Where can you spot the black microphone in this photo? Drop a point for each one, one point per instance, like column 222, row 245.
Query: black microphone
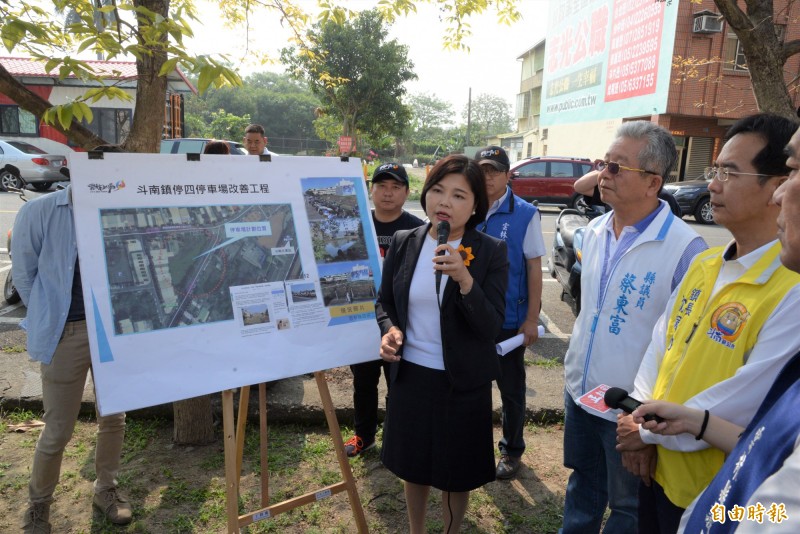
column 442, row 233
column 619, row 399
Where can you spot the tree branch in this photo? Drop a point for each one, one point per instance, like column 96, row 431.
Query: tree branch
column 789, row 49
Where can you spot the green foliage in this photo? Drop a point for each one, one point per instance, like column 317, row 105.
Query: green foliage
column 328, row 127
column 227, row 125
column 356, row 73
column 17, row 416
column 430, row 112
column 282, row 105
column 490, row 115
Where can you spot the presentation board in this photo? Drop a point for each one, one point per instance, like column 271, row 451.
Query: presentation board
column 210, row 274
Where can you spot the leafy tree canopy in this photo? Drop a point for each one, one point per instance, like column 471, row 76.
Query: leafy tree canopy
column 356, row 73
column 430, row 111
column 285, row 107
column 490, row 115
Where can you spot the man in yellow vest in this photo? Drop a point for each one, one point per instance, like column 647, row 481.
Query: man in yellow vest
column 727, row 330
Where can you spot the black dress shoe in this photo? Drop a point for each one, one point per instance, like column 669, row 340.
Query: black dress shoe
column 507, row 467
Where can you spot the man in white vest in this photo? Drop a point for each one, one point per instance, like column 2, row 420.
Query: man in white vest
column 633, row 258
column 728, row 329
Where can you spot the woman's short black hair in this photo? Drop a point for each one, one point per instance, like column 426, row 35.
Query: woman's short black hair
column 469, row 169
column 216, row 147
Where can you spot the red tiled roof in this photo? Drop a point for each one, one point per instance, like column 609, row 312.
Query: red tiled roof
column 23, row 66
column 115, row 70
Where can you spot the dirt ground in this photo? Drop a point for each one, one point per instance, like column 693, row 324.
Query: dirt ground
column 182, row 489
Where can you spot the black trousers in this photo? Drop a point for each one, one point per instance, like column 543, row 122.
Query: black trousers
column 657, row 514
column 365, row 396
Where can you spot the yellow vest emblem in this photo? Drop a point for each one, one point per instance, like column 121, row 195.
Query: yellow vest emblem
column 729, row 320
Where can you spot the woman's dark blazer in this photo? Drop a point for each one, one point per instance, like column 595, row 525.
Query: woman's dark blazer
column 470, row 323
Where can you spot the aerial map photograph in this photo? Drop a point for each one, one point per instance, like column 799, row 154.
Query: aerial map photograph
column 173, row 266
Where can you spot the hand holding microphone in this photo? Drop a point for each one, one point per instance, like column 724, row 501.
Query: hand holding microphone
column 442, row 233
column 619, row 399
column 449, row 261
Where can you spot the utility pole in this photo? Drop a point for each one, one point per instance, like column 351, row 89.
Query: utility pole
column 469, row 116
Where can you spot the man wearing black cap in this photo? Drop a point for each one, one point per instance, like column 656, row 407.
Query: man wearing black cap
column 519, row 224
column 389, row 193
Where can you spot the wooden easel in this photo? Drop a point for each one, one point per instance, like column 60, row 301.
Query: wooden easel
column 234, row 448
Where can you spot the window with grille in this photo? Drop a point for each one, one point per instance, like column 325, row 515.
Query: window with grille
column 112, row 124
column 734, row 51
column 16, row 121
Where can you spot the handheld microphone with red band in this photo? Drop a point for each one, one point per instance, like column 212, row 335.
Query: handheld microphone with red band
column 442, row 233
column 618, row 399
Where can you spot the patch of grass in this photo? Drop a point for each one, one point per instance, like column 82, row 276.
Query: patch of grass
column 77, row 448
column 286, row 443
column 13, row 349
column 139, row 433
column 547, row 516
column 28, row 443
column 15, row 417
column 316, row 446
column 181, row 523
column 179, row 492
column 13, row 482
column 544, row 363
column 214, row 461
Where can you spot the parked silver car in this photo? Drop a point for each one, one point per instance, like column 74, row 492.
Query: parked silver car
column 22, row 163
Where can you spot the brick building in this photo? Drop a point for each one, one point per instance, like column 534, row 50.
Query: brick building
column 697, row 107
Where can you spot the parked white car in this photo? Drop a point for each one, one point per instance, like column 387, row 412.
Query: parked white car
column 22, row 163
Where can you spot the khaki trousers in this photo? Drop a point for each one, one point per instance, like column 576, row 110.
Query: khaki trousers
column 63, row 381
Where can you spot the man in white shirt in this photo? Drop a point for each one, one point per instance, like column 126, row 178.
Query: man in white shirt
column 727, row 330
column 633, row 257
column 255, row 140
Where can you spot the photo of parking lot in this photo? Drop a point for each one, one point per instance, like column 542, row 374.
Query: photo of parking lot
column 336, row 230
column 345, row 283
column 173, row 266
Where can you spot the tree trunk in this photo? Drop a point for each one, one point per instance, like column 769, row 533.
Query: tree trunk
column 30, row 101
column 193, row 423
column 151, row 89
column 763, row 51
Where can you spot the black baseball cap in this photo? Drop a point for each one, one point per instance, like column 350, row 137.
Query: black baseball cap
column 393, row 171
column 494, row 156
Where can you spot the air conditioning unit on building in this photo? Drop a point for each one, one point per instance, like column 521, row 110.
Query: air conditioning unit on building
column 707, row 24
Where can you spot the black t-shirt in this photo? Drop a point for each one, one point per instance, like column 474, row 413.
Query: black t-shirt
column 386, row 231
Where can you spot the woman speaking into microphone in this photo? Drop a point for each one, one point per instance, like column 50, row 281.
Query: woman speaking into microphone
column 439, row 338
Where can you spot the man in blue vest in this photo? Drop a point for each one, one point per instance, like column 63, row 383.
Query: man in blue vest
column 519, row 224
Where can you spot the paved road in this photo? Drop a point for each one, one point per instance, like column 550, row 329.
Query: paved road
column 557, row 316
column 297, row 398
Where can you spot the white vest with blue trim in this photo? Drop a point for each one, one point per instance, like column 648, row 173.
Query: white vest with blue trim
column 613, row 330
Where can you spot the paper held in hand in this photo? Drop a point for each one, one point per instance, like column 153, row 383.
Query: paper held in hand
column 512, row 343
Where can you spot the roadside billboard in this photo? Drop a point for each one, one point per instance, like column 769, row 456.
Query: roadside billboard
column 607, row 59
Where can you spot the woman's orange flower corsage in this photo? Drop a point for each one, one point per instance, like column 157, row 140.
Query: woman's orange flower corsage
column 466, row 254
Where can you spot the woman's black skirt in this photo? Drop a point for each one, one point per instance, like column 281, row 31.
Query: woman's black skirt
column 435, row 436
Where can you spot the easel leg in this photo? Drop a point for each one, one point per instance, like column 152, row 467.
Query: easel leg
column 262, row 419
column 231, row 474
column 241, row 424
column 338, row 445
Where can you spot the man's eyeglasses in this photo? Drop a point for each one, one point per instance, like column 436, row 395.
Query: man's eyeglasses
column 614, row 167
column 723, row 174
